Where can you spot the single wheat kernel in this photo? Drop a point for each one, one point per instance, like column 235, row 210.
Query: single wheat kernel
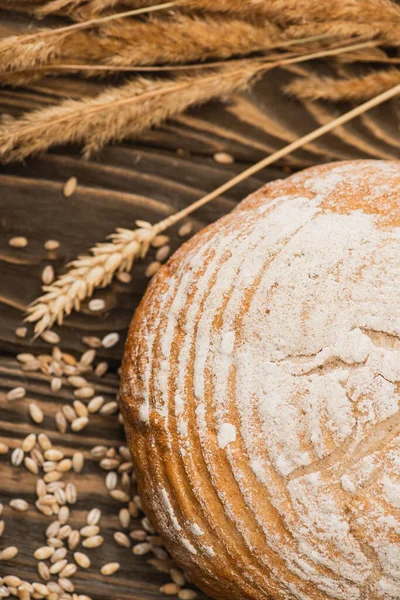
column 66, row 585
column 96, row 305
column 84, row 393
column 2, row 527
column 55, row 542
column 82, row 560
column 63, row 515
column 51, row 245
column 43, row 571
column 101, row 369
column 53, row 454
column 91, row 341
column 123, row 277
column 124, row 518
column 163, row 253
column 60, row 422
column 12, row 580
column 69, row 570
column 56, row 384
column 70, row 186
column 78, row 461
column 40, row 588
column 93, row 542
column 58, row 566
column 21, row 332
column 122, row 539
column 71, row 494
column 80, row 408
column 53, row 529
column 9, row 553
column 170, row 589
column 88, row 357
column 185, row 229
column 187, row 594
column 160, row 240
column 111, row 480
column 48, row 466
column 59, row 495
column 35, row 413
column 16, row 394
column 110, row 340
column 95, row 404
column 109, row 408
column 3, row 448
column 177, row 577
column 73, row 539
column 110, row 568
column 77, row 381
column 119, row 495
column 29, row 442
column 109, row 464
column 59, row 554
column 65, row 531
column 51, row 337
column 44, row 441
column 25, row 357
column 142, row 548
column 31, row 465
column 40, row 488
column 47, row 275
column 79, row 424
column 18, row 242
column 37, row 456
column 69, row 413
column 93, row 516
column 19, row 504
column 52, row 476
column 152, row 268
column 89, row 530
column 64, row 465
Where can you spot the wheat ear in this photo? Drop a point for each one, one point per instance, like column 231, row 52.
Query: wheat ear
column 97, row 270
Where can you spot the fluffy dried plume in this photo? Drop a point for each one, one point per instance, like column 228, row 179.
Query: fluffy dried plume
column 351, row 88
column 86, row 273
column 117, row 112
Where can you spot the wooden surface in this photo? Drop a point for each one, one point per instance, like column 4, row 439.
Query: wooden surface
column 144, row 179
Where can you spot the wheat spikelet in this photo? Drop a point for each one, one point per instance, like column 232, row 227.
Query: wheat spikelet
column 180, row 39
column 117, row 112
column 352, row 88
column 86, row 273
column 286, row 12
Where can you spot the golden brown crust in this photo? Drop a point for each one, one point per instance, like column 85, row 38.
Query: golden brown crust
column 260, row 392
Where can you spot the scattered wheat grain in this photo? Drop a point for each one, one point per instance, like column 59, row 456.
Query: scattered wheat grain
column 18, row 242
column 16, row 394
column 110, row 568
column 35, row 413
column 93, row 542
column 70, row 187
column 185, row 229
column 96, row 305
column 48, row 275
column 82, row 560
column 51, row 337
column 9, row 553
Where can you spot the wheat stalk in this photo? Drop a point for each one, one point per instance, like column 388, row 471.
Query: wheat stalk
column 350, row 88
column 130, row 109
column 88, row 272
column 97, row 270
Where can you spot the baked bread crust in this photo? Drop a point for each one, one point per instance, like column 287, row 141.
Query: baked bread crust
column 260, row 392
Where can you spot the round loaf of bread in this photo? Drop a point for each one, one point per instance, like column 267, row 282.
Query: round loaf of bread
column 261, row 388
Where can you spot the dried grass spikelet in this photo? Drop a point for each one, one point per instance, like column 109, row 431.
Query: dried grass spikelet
column 286, row 12
column 180, row 39
column 117, row 112
column 183, row 39
column 86, row 273
column 351, row 88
